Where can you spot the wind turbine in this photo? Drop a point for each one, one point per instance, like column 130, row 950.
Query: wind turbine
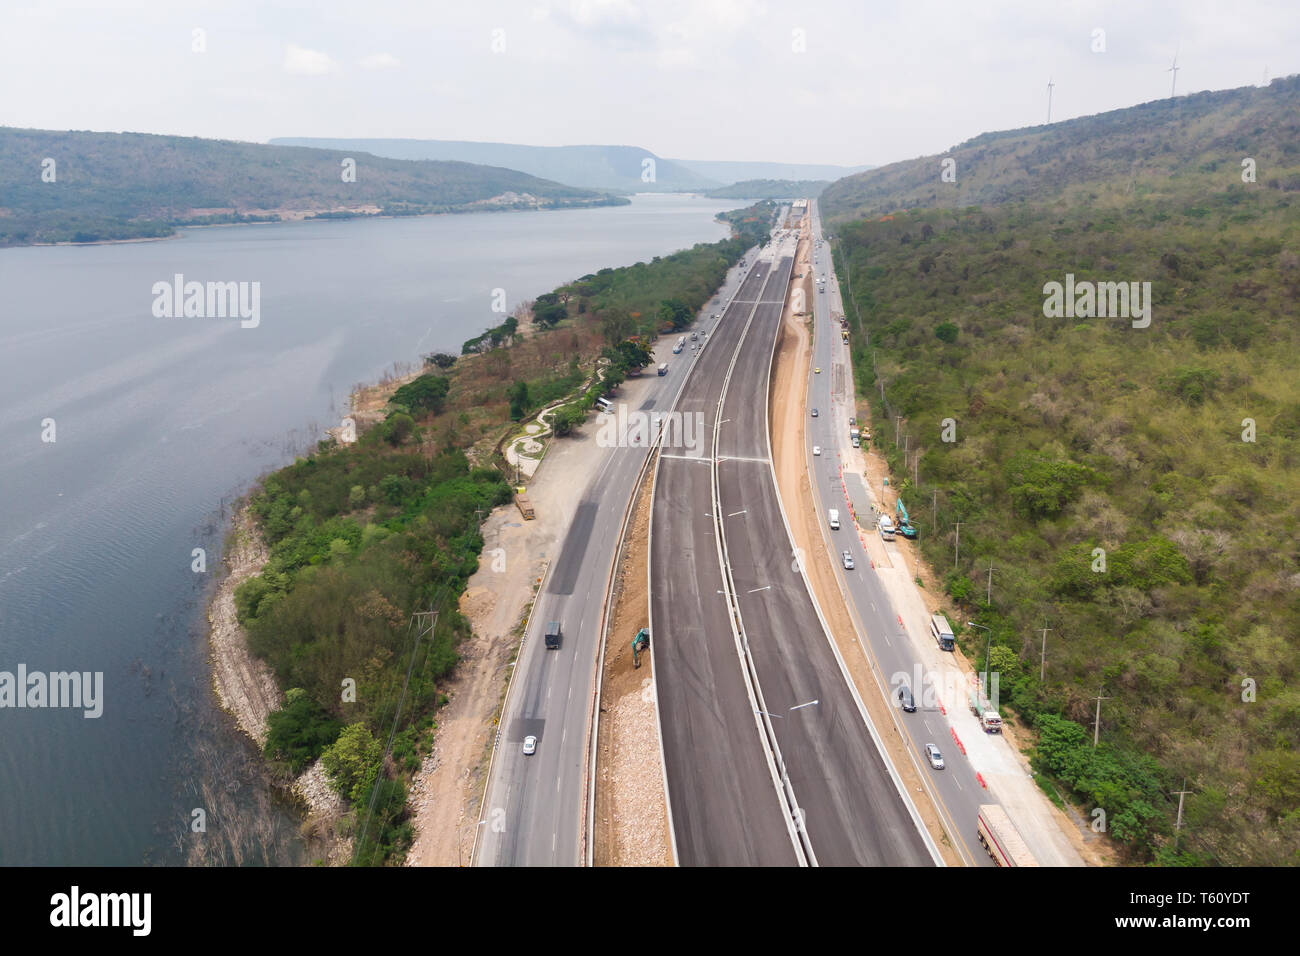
column 1050, row 84
column 1174, row 70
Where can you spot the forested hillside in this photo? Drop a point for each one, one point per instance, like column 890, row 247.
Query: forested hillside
column 1136, row 488
column 83, row 187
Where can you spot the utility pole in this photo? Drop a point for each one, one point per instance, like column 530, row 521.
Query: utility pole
column 1050, row 84
column 956, row 547
column 897, row 419
column 1042, row 669
column 989, row 597
column 934, row 510
column 1096, row 725
column 1178, row 825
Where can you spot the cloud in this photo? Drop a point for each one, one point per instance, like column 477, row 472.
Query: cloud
column 380, row 61
column 304, row 62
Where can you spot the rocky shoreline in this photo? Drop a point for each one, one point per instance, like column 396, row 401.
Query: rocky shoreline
column 247, row 690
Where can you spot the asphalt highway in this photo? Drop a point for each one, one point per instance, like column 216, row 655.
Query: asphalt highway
column 532, row 812
column 724, row 801
column 852, row 806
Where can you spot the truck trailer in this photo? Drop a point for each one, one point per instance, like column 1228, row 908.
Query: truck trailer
column 1001, row 838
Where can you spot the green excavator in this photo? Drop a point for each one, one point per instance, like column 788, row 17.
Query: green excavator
column 905, row 527
column 642, row 643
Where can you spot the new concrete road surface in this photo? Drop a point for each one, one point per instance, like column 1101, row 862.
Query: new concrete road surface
column 956, row 790
column 724, row 802
column 853, row 809
column 726, row 807
column 532, row 811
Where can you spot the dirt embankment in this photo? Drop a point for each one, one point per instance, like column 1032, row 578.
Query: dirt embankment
column 787, row 415
column 631, row 821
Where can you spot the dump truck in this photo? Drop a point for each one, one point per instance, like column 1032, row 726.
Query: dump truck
column 988, row 716
column 525, row 506
column 1001, row 838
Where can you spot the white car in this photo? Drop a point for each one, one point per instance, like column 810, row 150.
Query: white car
column 530, row 745
column 932, row 754
column 847, row 559
column 817, row 449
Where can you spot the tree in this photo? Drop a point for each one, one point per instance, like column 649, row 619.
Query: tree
column 353, row 761
column 300, row 730
column 517, row 394
column 676, row 313
column 946, row 332
column 443, row 360
column 616, row 325
column 398, row 428
column 426, row 394
column 565, row 418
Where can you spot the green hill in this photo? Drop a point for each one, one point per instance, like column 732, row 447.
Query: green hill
column 133, row 185
column 621, row 168
column 1137, row 489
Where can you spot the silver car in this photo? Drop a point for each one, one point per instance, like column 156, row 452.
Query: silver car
column 530, row 745
column 847, row 559
column 932, row 754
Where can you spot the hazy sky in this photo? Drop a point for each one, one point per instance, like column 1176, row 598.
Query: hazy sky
column 864, row 82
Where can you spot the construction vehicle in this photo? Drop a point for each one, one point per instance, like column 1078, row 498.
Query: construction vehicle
column 989, row 719
column 844, row 335
column 639, row 644
column 1001, row 838
column 905, row 527
column 525, row 506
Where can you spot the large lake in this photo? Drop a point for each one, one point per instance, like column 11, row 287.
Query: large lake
column 159, row 423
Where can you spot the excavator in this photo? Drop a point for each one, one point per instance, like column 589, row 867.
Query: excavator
column 641, row 643
column 905, row 527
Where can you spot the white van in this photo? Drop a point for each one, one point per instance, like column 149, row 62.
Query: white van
column 886, row 528
column 833, row 519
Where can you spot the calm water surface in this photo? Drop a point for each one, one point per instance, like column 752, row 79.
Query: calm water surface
column 159, row 423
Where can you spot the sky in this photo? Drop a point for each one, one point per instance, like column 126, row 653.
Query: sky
column 825, row 81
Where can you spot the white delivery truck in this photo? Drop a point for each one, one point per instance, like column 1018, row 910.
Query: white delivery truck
column 833, row 519
column 886, row 528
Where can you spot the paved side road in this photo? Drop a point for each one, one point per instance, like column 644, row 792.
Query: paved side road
column 532, row 811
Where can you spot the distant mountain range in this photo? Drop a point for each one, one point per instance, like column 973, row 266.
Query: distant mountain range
column 771, row 189
column 731, row 173
column 623, row 168
column 104, row 186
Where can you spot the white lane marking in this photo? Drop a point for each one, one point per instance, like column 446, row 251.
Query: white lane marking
column 957, row 782
column 705, row 459
column 765, row 587
column 928, row 727
column 734, row 513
